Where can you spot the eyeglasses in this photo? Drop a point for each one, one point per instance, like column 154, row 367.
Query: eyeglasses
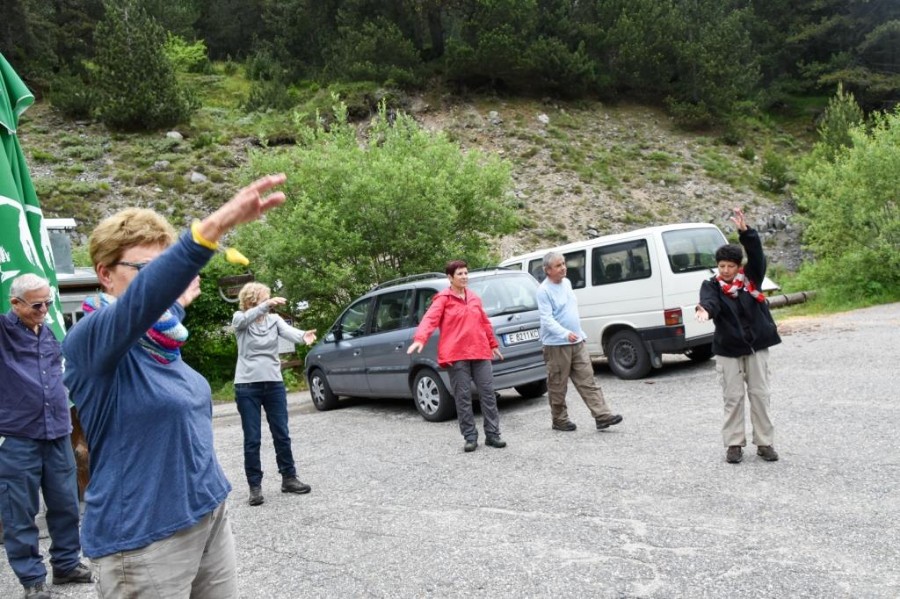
column 135, row 265
column 36, row 307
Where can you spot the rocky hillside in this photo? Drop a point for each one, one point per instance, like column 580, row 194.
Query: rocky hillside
column 579, row 170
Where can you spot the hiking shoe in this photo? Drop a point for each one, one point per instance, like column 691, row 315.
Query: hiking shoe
column 291, row 484
column 607, row 421
column 767, row 452
column 734, row 455
column 495, row 441
column 567, row 426
column 470, row 446
column 80, row 573
column 256, row 496
column 37, row 591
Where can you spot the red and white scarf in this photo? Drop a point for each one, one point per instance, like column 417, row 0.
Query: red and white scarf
column 740, row 281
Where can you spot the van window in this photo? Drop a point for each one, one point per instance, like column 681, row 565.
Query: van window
column 514, row 266
column 620, row 262
column 536, row 268
column 692, row 249
column 392, row 311
column 574, row 269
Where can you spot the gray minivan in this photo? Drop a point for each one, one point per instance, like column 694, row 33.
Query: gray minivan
column 364, row 352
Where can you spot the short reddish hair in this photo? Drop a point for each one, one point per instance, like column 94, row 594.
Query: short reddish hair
column 455, row 265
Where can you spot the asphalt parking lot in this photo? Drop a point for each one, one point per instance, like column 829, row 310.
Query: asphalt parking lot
column 648, row 508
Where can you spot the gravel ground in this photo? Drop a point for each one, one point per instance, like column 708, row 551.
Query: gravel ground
column 646, row 509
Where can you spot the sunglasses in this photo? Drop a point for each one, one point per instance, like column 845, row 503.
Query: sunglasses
column 37, row 307
column 135, row 265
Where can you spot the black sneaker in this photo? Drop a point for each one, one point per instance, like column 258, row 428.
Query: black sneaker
column 566, row 426
column 37, row 591
column 767, row 452
column 734, row 455
column 80, row 573
column 291, row 484
column 607, row 421
column 470, row 446
column 495, row 441
column 256, row 496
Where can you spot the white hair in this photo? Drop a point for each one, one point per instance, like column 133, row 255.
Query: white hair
column 25, row 283
column 550, row 258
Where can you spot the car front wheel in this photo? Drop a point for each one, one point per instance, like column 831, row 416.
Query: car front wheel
column 433, row 401
column 322, row 396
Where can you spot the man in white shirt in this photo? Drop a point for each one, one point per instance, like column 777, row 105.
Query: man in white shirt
column 565, row 352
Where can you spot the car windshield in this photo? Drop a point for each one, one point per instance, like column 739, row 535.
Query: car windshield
column 692, row 249
column 505, row 294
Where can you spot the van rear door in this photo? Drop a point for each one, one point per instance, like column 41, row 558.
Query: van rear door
column 689, row 255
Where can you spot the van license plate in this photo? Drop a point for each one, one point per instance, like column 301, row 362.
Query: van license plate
column 520, row 337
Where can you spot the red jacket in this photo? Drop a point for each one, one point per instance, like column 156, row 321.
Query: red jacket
column 466, row 332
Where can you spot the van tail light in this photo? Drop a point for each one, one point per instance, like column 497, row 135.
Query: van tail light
column 673, row 317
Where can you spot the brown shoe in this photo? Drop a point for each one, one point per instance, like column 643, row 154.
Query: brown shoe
column 734, row 455
column 767, row 452
column 607, row 421
column 567, row 426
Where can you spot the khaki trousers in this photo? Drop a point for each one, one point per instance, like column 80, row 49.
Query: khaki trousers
column 750, row 374
column 566, row 362
column 197, row 563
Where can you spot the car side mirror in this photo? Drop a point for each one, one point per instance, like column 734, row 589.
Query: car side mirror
column 336, row 333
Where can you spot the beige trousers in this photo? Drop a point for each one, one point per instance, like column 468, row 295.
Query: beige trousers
column 750, row 374
column 197, row 563
column 566, row 362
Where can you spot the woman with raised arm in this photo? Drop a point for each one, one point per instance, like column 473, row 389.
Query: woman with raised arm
column 155, row 523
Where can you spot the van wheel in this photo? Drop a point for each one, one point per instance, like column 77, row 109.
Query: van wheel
column 433, row 401
column 699, row 353
column 531, row 390
column 627, row 357
column 322, row 396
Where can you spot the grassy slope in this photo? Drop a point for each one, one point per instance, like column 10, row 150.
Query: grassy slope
column 589, row 167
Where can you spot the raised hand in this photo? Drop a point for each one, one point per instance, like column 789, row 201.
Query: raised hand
column 739, row 220
column 247, row 205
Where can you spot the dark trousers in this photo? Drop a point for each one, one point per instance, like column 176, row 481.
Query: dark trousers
column 464, row 375
column 270, row 396
column 29, row 467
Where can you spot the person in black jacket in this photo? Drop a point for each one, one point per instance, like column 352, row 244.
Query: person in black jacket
column 744, row 332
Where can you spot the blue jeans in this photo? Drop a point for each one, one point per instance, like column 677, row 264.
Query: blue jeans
column 271, row 396
column 29, row 467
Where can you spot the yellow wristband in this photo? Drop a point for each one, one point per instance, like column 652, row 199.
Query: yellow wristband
column 200, row 239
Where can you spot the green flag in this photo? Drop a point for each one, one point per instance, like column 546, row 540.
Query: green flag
column 24, row 242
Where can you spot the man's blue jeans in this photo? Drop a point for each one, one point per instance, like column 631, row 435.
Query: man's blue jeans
column 29, row 467
column 270, row 396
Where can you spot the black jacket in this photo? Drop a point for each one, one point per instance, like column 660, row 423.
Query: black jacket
column 729, row 339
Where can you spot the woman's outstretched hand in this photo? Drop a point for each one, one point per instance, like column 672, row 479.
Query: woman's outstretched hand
column 247, row 205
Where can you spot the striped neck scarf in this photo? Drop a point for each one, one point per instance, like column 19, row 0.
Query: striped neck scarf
column 740, row 281
column 163, row 342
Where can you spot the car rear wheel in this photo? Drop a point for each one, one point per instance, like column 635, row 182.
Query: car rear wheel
column 535, row 389
column 433, row 401
column 699, row 353
column 628, row 359
column 322, row 396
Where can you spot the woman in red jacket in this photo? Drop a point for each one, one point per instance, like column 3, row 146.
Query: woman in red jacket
column 466, row 347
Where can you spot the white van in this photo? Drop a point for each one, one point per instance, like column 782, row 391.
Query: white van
column 637, row 292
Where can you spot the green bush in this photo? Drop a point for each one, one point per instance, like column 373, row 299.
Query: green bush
column 377, row 51
column 72, row 95
column 185, row 57
column 775, row 173
column 270, row 94
column 852, row 217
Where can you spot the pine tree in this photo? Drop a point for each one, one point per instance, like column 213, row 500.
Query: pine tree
column 136, row 83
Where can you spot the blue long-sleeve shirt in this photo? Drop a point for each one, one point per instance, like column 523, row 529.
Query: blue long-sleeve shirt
column 148, row 425
column 558, row 309
column 33, row 400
